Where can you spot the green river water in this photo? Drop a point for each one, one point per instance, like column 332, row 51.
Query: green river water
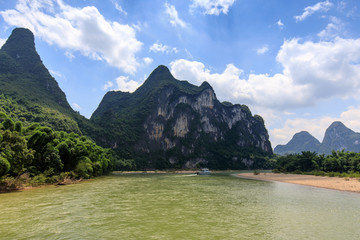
column 179, row 206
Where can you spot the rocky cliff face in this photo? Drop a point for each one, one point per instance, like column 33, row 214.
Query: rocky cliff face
column 186, row 125
column 339, row 137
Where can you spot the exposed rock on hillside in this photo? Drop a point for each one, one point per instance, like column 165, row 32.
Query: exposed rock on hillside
column 182, row 125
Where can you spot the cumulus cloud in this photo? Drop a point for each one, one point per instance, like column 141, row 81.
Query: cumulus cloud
column 78, row 29
column 159, row 47
column 108, row 85
column 311, row 72
column 326, row 69
column 126, row 85
column 123, row 84
column 212, row 7
column 319, row 7
column 174, row 16
column 276, row 91
column 264, row 49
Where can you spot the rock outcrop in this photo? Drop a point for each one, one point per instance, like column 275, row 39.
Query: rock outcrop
column 184, row 125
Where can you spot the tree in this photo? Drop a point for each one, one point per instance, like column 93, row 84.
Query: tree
column 4, row 166
column 14, row 148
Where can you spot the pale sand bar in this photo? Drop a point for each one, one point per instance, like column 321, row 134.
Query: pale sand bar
column 343, row 184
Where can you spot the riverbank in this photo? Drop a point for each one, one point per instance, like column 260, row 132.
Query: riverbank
column 336, row 183
column 14, row 185
column 155, row 172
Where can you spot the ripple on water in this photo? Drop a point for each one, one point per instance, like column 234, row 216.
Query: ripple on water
column 179, row 207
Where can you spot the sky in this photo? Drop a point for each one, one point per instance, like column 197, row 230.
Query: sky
column 294, row 62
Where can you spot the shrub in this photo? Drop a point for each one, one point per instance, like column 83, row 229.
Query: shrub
column 38, row 180
column 84, row 168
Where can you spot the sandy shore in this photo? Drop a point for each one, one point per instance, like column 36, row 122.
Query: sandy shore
column 343, row 184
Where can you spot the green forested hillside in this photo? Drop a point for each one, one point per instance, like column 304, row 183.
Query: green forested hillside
column 197, row 130
column 28, row 91
column 144, row 126
column 122, row 114
column 46, row 156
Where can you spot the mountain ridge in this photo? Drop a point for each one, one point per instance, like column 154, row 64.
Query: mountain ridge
column 165, row 123
column 176, row 113
column 337, row 137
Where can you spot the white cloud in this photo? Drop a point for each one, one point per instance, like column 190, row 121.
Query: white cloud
column 319, row 7
column 280, row 24
column 311, row 72
column 69, row 55
column 126, row 85
column 264, row 49
column 76, row 107
column 78, row 29
column 263, row 90
column 108, row 85
column 325, row 69
column 55, row 74
column 159, row 47
column 148, row 60
column 123, row 84
column 174, row 16
column 2, row 41
column 351, row 118
column 119, row 8
column 212, row 7
column 332, row 30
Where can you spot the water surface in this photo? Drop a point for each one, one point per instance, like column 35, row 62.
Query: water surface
column 179, row 206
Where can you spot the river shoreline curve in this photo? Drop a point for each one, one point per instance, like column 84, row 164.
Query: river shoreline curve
column 335, row 183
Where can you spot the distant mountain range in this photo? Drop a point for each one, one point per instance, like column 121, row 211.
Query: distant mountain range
column 337, row 137
column 165, row 123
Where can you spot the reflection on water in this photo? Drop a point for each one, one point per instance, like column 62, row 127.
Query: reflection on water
column 179, row 207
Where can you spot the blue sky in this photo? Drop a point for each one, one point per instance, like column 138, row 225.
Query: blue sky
column 294, row 62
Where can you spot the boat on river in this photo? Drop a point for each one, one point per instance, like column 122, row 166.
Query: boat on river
column 204, row 171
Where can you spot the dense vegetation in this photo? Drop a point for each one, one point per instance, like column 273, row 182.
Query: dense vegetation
column 29, row 95
column 47, row 156
column 121, row 115
column 338, row 163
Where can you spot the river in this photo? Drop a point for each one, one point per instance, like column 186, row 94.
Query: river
column 179, row 206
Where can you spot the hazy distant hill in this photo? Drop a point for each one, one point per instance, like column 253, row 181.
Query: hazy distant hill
column 302, row 141
column 337, row 137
